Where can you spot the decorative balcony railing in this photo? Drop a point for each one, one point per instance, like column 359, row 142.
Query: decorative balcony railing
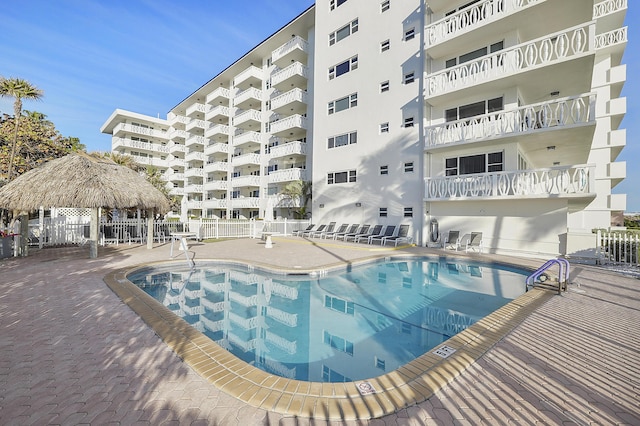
column 156, row 162
column 562, row 112
column 248, row 115
column 251, row 72
column 247, row 137
column 248, row 180
column 294, row 43
column 217, row 129
column 196, row 108
column 139, row 130
column 216, row 111
column 220, row 93
column 147, row 146
column 214, row 148
column 196, row 140
column 547, row 50
column 176, row 162
column 193, row 189
column 250, row 93
column 294, row 69
column 194, row 156
column 176, row 191
column 295, row 95
column 193, row 172
column 291, row 148
column 243, row 160
column 216, row 203
column 218, row 166
column 287, row 175
column 556, row 181
column 196, row 122
column 174, row 177
column 177, row 134
column 608, row 7
column 292, row 121
column 176, row 147
column 194, row 205
column 611, row 38
column 216, row 185
column 473, row 17
column 245, row 202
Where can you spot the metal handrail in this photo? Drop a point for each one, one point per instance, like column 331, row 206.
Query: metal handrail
column 563, row 273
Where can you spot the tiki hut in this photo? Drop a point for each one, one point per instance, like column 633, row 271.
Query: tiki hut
column 83, row 181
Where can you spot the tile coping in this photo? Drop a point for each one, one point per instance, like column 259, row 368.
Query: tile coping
column 410, row 384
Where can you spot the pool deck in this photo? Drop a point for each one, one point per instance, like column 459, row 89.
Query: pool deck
column 71, row 352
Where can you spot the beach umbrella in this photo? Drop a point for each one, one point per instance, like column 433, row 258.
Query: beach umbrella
column 83, row 181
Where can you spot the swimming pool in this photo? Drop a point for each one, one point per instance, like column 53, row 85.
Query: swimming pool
column 332, row 327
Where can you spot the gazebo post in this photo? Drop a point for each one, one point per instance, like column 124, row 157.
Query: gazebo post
column 149, row 229
column 24, row 232
column 93, row 234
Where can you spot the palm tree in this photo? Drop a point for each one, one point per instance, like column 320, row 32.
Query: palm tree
column 18, row 89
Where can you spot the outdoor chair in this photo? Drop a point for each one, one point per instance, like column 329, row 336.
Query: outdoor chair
column 364, row 230
column 352, row 229
column 388, row 232
column 403, row 236
column 320, row 228
column 375, row 231
column 299, row 232
column 341, row 229
column 474, row 242
column 452, row 240
column 318, row 233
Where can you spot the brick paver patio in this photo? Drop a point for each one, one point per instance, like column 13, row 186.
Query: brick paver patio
column 71, row 352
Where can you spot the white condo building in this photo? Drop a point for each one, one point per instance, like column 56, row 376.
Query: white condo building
column 492, row 116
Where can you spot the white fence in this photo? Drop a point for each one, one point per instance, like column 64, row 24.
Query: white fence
column 64, row 230
column 619, row 247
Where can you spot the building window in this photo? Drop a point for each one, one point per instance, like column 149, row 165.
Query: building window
column 342, row 140
column 408, row 212
column 385, row 45
column 340, row 305
column 409, row 77
column 408, row 122
column 472, row 164
column 408, row 167
column 338, row 343
column 335, row 3
column 343, row 103
column 384, row 6
column 384, row 170
column 474, row 109
column 343, row 67
column 384, row 128
column 341, row 177
column 384, row 86
column 343, row 32
column 410, row 34
column 383, row 212
column 380, row 363
column 475, row 54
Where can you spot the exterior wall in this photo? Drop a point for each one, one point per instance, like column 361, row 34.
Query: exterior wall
column 360, row 201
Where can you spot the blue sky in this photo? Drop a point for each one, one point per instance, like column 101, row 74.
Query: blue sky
column 91, row 57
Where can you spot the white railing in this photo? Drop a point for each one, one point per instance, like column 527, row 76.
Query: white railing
column 608, row 7
column 292, row 121
column 294, row 95
column 470, row 18
column 197, row 107
column 248, row 180
column 291, row 148
column 177, row 134
column 193, row 189
column 148, row 146
column 174, row 119
column 216, row 147
column 174, row 176
column 217, row 166
column 555, row 181
column 244, row 116
column 195, row 139
column 176, row 147
column 194, row 204
column 220, row 92
column 157, row 162
column 283, row 317
column 196, row 122
column 252, row 71
column 294, row 69
column 217, row 110
column 244, row 159
column 288, row 346
column 245, row 203
column 544, row 115
column 176, row 162
column 194, row 172
column 216, row 185
column 611, row 38
column 619, row 247
column 215, row 203
column 294, row 43
column 250, row 93
column 140, row 130
column 246, row 137
column 195, row 155
column 217, row 129
column 287, row 175
column 544, row 51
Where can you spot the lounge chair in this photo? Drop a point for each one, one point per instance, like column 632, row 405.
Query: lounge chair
column 388, row 232
column 320, row 228
column 364, row 230
column 474, row 242
column 299, row 232
column 403, row 236
column 452, row 240
column 341, row 229
column 350, row 230
column 318, row 232
column 375, row 231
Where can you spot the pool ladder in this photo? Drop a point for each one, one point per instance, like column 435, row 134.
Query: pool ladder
column 563, row 273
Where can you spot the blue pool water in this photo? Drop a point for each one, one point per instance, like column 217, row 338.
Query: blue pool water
column 346, row 326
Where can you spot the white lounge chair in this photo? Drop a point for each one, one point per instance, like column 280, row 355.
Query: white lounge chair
column 299, row 232
column 452, row 240
column 474, row 242
column 388, row 232
column 403, row 236
column 318, row 232
column 364, row 230
column 341, row 234
column 340, row 230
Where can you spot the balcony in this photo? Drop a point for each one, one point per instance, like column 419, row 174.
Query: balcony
column 216, row 185
column 177, row 120
column 556, row 182
column 245, row 159
column 196, row 110
column 176, row 147
column 218, row 113
column 194, row 205
column 295, row 49
column 216, row 148
column 245, row 203
column 193, row 189
column 193, row 172
column 292, row 125
column 176, row 162
column 245, row 181
column 194, row 156
column 609, row 14
column 611, row 40
column 124, row 128
column 156, row 162
column 571, row 44
column 471, row 18
column 295, row 75
column 217, row 132
column 219, row 96
column 554, row 114
column 251, row 76
column 218, row 166
column 287, row 175
column 177, row 134
column 196, row 140
column 292, row 102
column 248, row 120
column 288, row 149
column 249, row 98
column 177, row 192
column 247, row 138
column 174, row 177
column 144, row 146
column 196, row 123
column 215, row 203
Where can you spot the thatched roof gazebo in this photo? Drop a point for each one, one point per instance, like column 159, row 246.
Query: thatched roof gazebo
column 83, row 181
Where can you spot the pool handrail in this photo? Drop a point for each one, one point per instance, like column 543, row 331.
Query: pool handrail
column 563, row 273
